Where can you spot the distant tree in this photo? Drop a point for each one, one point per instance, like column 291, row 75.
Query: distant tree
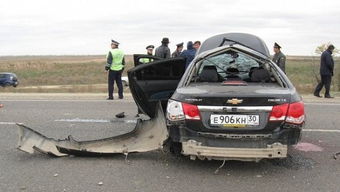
column 323, row 47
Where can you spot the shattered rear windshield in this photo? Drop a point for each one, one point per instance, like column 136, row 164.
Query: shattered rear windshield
column 232, row 65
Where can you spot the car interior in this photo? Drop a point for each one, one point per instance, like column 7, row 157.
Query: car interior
column 233, row 66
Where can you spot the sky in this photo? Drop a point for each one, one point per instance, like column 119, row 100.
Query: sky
column 86, row 27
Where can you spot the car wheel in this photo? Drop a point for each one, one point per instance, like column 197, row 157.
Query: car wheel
column 15, row 85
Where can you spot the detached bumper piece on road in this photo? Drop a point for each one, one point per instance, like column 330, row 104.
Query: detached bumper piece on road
column 148, row 135
column 195, row 150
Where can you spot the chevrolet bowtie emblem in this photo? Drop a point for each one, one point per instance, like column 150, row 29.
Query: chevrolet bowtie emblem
column 234, row 101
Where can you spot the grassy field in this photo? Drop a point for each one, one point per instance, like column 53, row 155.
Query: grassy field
column 87, row 74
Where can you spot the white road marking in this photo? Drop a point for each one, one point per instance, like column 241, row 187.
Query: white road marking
column 322, row 130
column 78, row 120
column 7, row 123
column 323, row 104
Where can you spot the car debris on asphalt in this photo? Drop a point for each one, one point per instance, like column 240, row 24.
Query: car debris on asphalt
column 120, row 115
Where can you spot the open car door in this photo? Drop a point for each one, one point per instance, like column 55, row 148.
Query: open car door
column 139, row 59
column 154, row 82
column 151, row 84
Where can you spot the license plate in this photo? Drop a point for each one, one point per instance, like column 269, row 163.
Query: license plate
column 235, row 120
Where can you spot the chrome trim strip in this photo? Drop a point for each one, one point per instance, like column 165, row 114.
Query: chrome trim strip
column 235, row 109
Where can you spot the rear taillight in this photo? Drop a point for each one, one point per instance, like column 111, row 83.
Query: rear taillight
column 191, row 111
column 177, row 111
column 291, row 113
column 296, row 113
column 174, row 111
column 279, row 112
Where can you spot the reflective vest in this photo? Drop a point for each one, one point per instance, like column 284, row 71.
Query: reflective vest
column 117, row 59
column 146, row 60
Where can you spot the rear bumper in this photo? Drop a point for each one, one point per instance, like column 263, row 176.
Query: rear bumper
column 246, row 146
column 195, row 150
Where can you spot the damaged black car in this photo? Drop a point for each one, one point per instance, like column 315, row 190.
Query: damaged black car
column 231, row 103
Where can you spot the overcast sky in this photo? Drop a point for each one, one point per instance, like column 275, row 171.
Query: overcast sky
column 44, row 27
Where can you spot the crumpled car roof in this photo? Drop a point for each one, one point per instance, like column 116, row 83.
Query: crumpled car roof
column 251, row 41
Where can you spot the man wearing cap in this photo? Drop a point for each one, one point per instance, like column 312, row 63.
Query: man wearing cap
column 326, row 72
column 149, row 51
column 178, row 50
column 115, row 66
column 279, row 58
column 163, row 51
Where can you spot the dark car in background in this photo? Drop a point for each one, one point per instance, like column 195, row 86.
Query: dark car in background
column 231, row 103
column 8, row 79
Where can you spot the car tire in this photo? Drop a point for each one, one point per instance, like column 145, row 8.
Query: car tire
column 175, row 148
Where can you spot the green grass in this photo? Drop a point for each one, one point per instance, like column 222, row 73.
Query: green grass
column 304, row 71
column 83, row 72
column 71, row 71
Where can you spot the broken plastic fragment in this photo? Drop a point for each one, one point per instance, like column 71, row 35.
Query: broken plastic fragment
column 120, row 115
column 148, row 135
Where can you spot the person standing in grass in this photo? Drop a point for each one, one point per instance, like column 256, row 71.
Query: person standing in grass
column 326, row 72
column 279, row 58
column 115, row 66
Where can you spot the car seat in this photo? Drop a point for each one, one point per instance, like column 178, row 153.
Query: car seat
column 209, row 74
column 260, row 75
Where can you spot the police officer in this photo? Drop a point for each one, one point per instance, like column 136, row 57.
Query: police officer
column 326, row 72
column 149, row 51
column 178, row 50
column 279, row 58
column 115, row 66
column 163, row 51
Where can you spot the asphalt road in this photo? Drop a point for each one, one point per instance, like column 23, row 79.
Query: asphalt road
column 311, row 167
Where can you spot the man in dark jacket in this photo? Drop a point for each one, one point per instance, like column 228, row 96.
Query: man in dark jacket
column 163, row 51
column 188, row 54
column 326, row 72
column 178, row 50
column 279, row 58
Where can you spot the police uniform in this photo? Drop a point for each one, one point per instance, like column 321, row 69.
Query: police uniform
column 177, row 53
column 279, row 58
column 115, row 66
column 147, row 60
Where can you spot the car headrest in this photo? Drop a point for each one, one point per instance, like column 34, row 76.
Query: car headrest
column 209, row 74
column 260, row 75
